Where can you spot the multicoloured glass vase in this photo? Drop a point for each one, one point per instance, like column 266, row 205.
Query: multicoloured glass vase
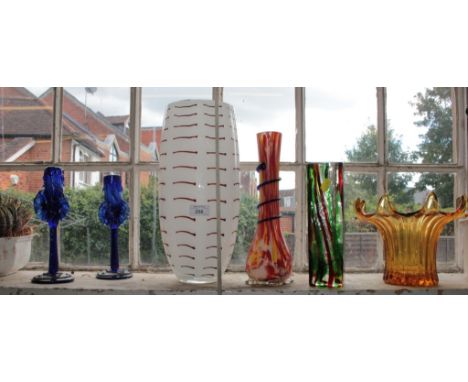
column 325, row 218
column 51, row 205
column 113, row 212
column 410, row 239
column 269, row 261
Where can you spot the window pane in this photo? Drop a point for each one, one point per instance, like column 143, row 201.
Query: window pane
column 94, row 121
column 84, row 239
column 408, row 190
column 154, row 104
column 419, row 125
column 263, row 109
column 151, row 246
column 248, row 214
column 25, row 125
column 360, row 239
column 341, row 124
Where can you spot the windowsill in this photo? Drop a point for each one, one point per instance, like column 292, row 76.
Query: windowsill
column 233, row 283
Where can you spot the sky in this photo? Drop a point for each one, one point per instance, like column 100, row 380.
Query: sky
column 335, row 116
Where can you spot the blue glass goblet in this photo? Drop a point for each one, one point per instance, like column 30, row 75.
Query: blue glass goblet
column 51, row 205
column 113, row 212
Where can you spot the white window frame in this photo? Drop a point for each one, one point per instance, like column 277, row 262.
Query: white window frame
column 134, row 167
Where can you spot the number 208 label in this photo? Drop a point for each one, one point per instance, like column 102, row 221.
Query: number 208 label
column 199, row 210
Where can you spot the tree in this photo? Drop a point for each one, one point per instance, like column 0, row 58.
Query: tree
column 434, row 106
column 364, row 186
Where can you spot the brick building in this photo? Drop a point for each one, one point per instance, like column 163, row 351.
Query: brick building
column 87, row 136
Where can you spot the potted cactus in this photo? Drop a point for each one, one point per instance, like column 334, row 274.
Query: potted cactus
column 15, row 234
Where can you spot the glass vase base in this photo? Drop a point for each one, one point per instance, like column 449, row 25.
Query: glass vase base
column 324, row 284
column 121, row 274
column 269, row 283
column 404, row 279
column 48, row 278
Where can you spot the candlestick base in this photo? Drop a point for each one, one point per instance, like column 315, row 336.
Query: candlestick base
column 48, row 278
column 119, row 275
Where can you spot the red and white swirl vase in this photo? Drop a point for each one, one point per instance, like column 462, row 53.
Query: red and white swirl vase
column 187, row 188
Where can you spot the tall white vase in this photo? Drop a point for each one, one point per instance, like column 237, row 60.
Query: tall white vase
column 187, row 188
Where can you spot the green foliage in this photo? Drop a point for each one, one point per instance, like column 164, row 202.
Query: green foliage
column 435, row 109
column 434, row 106
column 86, row 241
column 247, row 224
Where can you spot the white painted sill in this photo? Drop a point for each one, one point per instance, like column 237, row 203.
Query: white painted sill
column 233, row 284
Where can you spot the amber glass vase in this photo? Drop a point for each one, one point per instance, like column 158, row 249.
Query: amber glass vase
column 269, row 261
column 410, row 239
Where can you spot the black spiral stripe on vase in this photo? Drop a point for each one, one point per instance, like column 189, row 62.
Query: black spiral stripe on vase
column 210, row 267
column 210, row 125
column 214, row 184
column 211, row 257
column 187, row 266
column 214, row 152
column 268, row 219
column 236, row 200
column 267, row 202
column 262, row 167
column 214, row 233
column 208, row 274
column 213, row 247
column 266, row 182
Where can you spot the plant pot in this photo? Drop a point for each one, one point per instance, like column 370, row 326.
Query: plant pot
column 187, row 188
column 15, row 253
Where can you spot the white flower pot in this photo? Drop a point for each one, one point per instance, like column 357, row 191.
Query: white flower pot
column 15, row 253
column 187, row 188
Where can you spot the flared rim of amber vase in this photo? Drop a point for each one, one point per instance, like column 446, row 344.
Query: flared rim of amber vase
column 410, row 238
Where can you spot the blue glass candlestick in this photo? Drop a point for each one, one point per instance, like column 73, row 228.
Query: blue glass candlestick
column 51, row 205
column 113, row 212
